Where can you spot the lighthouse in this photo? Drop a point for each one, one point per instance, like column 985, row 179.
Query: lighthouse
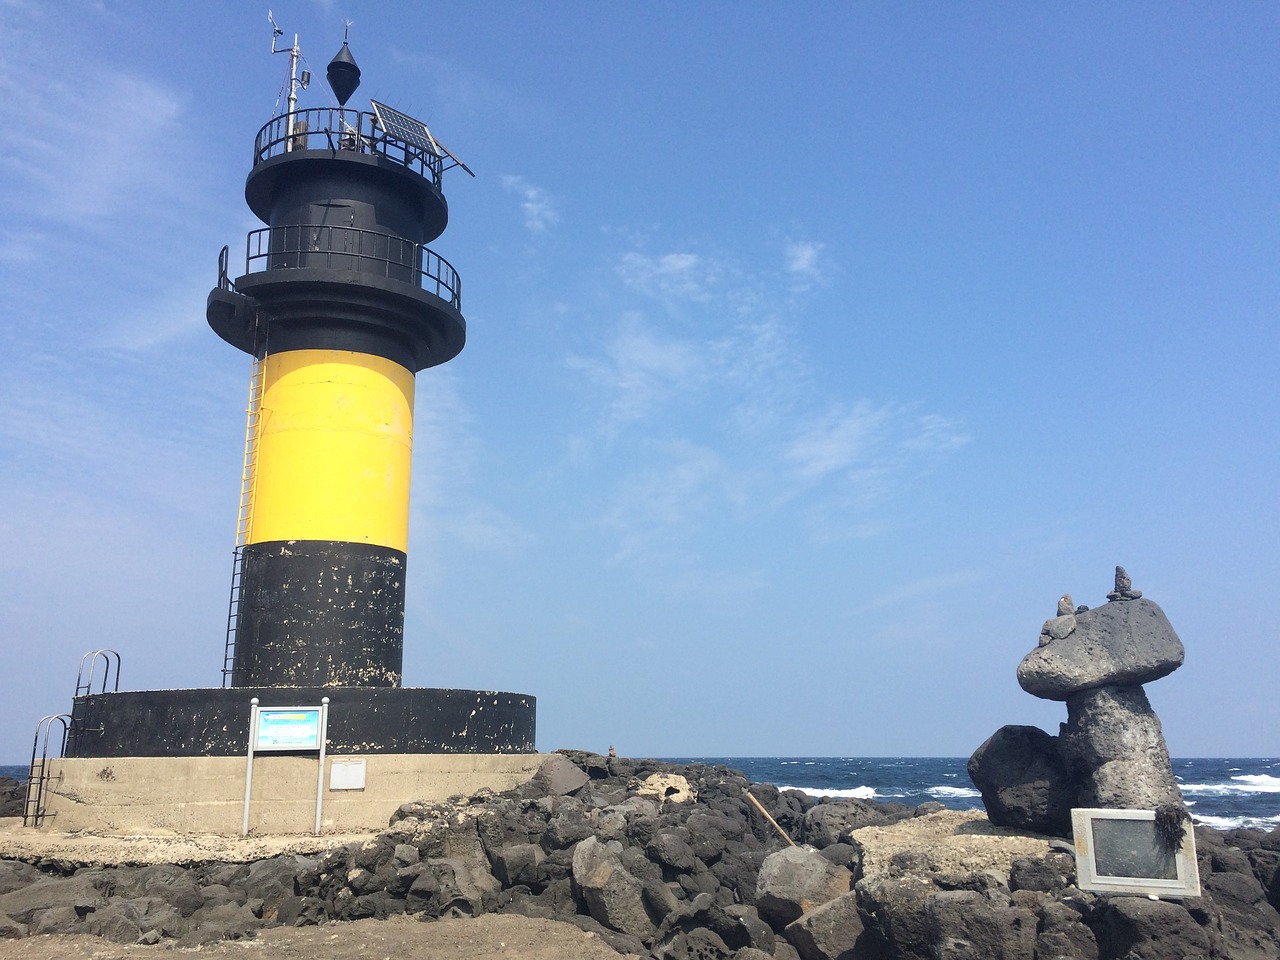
column 338, row 304
column 341, row 303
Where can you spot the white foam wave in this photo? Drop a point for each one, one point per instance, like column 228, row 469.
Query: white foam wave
column 1236, row 823
column 953, row 792
column 1246, row 783
column 853, row 793
column 1262, row 782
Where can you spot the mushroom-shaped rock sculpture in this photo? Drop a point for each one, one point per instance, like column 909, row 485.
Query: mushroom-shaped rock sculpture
column 1119, row 643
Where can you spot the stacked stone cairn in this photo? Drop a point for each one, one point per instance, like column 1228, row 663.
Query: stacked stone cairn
column 1111, row 751
column 676, row 862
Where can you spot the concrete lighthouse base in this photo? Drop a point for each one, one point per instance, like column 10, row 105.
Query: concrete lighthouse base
column 165, row 761
column 206, row 795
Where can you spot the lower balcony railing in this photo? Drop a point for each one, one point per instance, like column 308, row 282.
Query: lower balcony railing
column 349, row 248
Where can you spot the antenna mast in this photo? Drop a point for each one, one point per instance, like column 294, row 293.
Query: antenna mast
column 295, row 54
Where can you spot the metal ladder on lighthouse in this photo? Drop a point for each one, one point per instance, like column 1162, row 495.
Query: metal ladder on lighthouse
column 248, row 475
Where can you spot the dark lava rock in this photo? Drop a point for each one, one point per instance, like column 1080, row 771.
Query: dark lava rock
column 825, row 823
column 1024, row 781
column 794, row 881
column 1149, row 930
column 665, row 879
column 13, row 794
column 966, row 925
column 829, row 932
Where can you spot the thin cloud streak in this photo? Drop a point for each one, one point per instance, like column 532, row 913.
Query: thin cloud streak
column 803, row 261
column 539, row 209
column 727, row 426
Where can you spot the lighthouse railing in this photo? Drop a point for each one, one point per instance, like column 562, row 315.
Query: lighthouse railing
column 318, row 246
column 337, row 129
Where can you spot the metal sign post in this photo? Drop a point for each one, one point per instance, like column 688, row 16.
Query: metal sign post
column 286, row 729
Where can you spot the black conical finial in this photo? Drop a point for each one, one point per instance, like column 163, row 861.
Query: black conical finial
column 343, row 74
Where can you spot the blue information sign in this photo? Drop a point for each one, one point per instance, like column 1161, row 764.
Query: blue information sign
column 288, row 728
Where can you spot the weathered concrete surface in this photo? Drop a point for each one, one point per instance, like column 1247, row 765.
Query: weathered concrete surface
column 949, row 841
column 23, row 843
column 205, row 795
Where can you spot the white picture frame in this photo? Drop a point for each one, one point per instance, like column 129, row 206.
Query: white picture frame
column 1119, row 851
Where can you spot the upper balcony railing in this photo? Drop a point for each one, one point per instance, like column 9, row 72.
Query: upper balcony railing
column 349, row 248
column 339, row 129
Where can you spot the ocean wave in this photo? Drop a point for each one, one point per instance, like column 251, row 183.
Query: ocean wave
column 853, row 793
column 953, row 792
column 1247, row 783
column 1238, row 823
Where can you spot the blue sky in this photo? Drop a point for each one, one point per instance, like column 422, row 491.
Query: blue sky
column 813, row 352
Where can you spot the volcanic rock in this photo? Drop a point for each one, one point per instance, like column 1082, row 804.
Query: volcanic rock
column 559, row 776
column 1121, row 642
column 1024, row 781
column 828, row 932
column 12, row 795
column 795, row 880
column 1150, row 929
column 613, row 896
column 1114, row 747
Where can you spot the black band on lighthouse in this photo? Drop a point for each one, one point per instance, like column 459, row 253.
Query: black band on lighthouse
column 316, row 613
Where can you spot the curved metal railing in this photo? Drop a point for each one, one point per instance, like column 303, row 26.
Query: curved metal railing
column 38, row 776
column 350, row 248
column 339, row 129
column 110, row 664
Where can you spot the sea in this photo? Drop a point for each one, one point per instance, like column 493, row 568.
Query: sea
column 1220, row 793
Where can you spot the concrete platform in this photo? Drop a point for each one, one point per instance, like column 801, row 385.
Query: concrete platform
column 205, row 795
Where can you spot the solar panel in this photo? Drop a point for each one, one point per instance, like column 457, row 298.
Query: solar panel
column 405, row 128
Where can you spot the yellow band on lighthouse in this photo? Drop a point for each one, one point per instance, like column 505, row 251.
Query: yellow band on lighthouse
column 333, row 449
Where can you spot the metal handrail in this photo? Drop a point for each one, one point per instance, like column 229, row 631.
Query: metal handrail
column 84, row 685
column 362, row 251
column 224, row 260
column 33, row 812
column 337, row 129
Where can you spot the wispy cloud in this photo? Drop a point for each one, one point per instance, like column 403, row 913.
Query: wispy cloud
column 843, row 438
column 933, row 433
column 656, row 507
column 727, row 424
column 447, row 456
column 640, row 370
column 942, row 584
column 680, row 276
column 107, row 148
column 803, row 260
column 539, row 209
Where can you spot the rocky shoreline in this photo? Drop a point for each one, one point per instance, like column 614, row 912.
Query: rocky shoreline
column 677, row 862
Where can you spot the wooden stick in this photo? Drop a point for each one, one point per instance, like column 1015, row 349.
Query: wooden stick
column 782, row 833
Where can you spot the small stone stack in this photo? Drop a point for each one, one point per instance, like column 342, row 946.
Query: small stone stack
column 1111, row 751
